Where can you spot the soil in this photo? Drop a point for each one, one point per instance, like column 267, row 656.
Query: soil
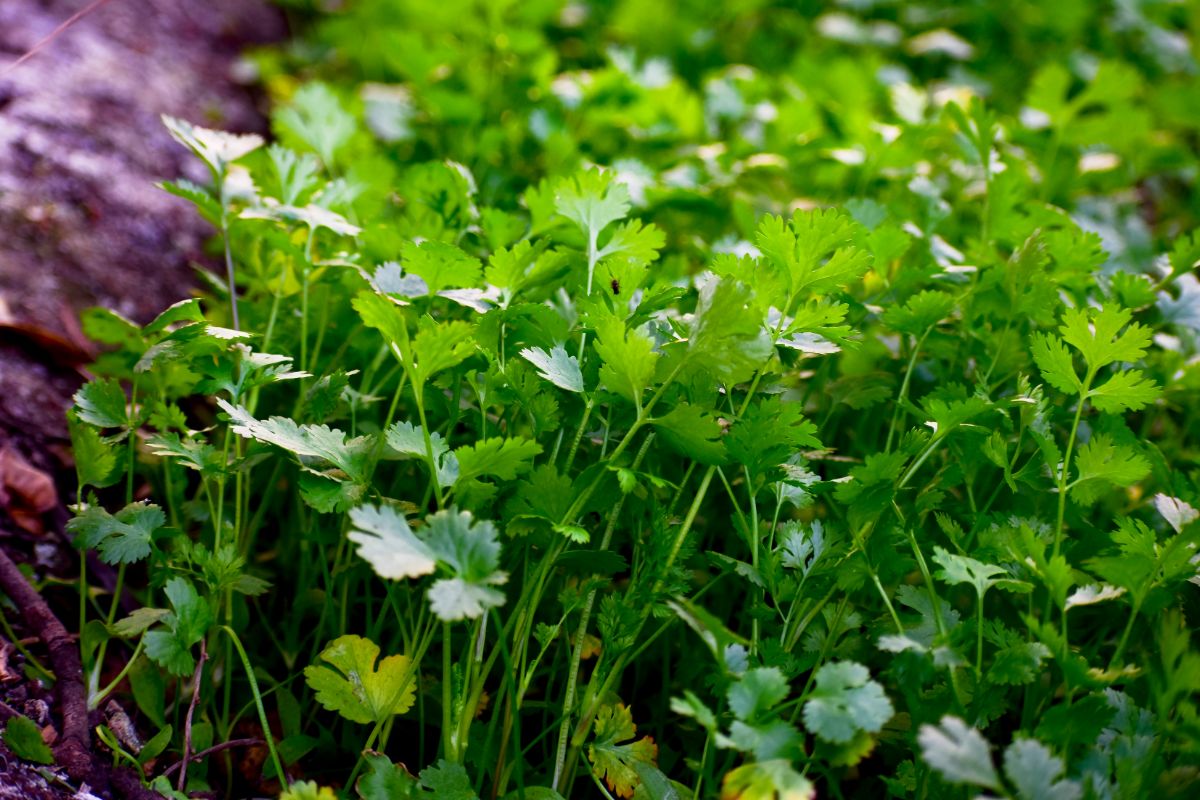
column 82, row 224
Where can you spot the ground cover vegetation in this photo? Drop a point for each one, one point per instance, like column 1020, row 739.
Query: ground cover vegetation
column 755, row 400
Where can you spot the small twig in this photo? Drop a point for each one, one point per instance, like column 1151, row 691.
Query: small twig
column 187, row 723
column 74, row 751
column 216, row 748
column 54, row 34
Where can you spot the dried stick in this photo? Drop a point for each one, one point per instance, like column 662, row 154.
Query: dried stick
column 73, row 753
column 187, row 723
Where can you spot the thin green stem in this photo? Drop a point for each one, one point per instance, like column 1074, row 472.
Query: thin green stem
column 258, row 703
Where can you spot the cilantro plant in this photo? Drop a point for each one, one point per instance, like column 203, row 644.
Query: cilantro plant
column 756, row 403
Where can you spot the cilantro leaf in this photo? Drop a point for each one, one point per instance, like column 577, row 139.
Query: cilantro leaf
column 387, row 543
column 217, row 149
column 1124, row 391
column 844, row 702
column 727, row 337
column 556, row 366
column 441, row 265
column 919, row 312
column 499, row 457
column 24, row 738
column 102, row 403
column 1054, row 360
column 383, row 780
column 350, row 683
column 1098, row 335
column 471, row 551
column 1102, row 464
column 757, row 692
column 305, row 441
column 120, row 538
column 1176, row 512
column 774, row 778
column 964, row 569
column 593, row 201
column 1037, row 774
column 95, row 459
column 448, row 781
column 614, row 762
column 768, row 434
column 629, row 359
column 316, row 119
column 959, row 753
column 186, row 624
column 693, row 432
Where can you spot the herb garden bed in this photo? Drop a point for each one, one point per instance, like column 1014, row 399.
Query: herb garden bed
column 750, row 400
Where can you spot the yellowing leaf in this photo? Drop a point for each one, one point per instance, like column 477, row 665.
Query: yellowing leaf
column 350, row 683
column 614, row 762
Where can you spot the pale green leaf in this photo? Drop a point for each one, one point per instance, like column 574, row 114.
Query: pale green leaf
column 959, row 753
column 1037, row 774
column 556, row 366
column 387, row 543
column 844, row 702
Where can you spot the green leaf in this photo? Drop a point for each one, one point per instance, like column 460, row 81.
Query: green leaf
column 920, row 312
column 871, row 486
column 139, row 621
column 315, row 119
column 958, row 569
column 768, row 434
column 208, row 206
column 1125, row 391
column 556, row 366
column 24, row 738
column 349, row 682
column 711, row 630
column 439, row 346
column 312, row 216
column 387, row 543
column 815, row 250
column 593, row 201
column 1037, row 774
column 502, row 458
column 959, row 753
column 448, row 781
column 217, row 149
column 533, row 793
column 693, row 432
column 186, row 624
column 441, row 265
column 102, row 403
column 120, row 538
column 633, row 243
column 306, row 441
column 1018, row 663
column 844, row 702
column 95, row 458
column 692, row 706
column 1098, row 335
column 385, row 315
column 471, row 552
column 629, row 359
column 727, row 338
column 384, row 780
column 1102, row 464
column 757, row 692
column 615, row 753
column 194, row 454
column 1054, row 360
